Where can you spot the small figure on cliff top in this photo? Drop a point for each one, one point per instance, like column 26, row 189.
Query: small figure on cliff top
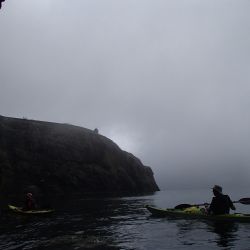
column 96, row 131
column 29, row 203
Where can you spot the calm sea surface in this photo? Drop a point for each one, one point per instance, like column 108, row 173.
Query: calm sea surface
column 122, row 223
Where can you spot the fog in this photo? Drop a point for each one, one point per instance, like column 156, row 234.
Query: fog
column 167, row 80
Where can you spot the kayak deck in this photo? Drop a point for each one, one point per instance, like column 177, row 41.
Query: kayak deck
column 21, row 211
column 196, row 213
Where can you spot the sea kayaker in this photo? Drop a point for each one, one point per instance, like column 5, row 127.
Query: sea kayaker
column 221, row 203
column 29, row 203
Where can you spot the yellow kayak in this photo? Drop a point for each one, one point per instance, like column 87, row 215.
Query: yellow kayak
column 37, row 211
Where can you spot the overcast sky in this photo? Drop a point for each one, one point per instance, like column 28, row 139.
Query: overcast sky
column 167, row 80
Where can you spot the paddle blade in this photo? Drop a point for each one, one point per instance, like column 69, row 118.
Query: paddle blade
column 245, row 201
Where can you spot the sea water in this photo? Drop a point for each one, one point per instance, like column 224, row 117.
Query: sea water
column 123, row 223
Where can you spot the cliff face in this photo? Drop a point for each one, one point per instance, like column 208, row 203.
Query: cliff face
column 60, row 158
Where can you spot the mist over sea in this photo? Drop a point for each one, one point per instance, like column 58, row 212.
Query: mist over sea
column 123, row 223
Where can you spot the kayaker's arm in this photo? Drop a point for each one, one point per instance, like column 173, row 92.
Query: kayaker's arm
column 210, row 209
column 231, row 204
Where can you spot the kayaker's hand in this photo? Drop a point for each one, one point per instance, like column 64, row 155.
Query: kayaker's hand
column 206, row 205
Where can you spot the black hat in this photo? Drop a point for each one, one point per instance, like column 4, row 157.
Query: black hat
column 217, row 188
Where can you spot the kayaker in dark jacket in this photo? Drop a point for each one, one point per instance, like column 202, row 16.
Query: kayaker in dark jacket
column 221, row 203
column 29, row 203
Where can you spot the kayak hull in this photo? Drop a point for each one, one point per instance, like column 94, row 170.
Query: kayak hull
column 196, row 214
column 29, row 212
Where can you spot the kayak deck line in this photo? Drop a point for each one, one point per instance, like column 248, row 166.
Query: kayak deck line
column 196, row 213
column 30, row 212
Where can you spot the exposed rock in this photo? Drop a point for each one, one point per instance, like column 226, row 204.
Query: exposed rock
column 47, row 158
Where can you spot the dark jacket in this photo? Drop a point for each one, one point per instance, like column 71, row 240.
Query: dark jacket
column 220, row 204
column 29, row 204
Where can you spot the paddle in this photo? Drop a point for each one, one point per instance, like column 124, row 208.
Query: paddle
column 245, row 201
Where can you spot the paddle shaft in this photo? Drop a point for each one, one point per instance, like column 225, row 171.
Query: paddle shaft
column 244, row 201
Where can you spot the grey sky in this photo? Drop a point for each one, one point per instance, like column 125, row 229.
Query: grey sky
column 167, row 80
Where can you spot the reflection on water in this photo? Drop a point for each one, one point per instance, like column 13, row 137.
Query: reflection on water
column 117, row 223
column 226, row 232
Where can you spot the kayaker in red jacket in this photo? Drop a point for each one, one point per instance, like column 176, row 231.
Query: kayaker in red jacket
column 29, row 203
column 221, row 203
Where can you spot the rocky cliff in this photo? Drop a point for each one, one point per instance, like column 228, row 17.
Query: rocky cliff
column 52, row 158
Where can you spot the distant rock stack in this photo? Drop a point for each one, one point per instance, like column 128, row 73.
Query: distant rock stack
column 1, row 1
column 51, row 158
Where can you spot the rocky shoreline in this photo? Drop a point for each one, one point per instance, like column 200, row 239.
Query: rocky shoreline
column 51, row 158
